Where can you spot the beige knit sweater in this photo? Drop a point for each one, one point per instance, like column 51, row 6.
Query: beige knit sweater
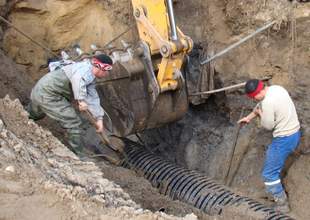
column 278, row 112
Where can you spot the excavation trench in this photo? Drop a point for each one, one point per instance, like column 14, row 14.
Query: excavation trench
column 202, row 139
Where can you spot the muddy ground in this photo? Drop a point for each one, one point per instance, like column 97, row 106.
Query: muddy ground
column 202, row 140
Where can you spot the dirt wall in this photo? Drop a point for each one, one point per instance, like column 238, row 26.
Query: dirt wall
column 60, row 25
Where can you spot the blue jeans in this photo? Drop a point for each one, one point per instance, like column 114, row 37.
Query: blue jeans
column 277, row 152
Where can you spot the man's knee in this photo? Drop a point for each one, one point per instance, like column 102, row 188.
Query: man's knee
column 34, row 111
column 269, row 172
column 64, row 113
column 74, row 131
column 72, row 124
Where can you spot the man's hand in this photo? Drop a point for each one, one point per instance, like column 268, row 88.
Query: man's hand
column 256, row 112
column 244, row 120
column 99, row 126
column 82, row 106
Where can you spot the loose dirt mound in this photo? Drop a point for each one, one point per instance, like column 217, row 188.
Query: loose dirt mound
column 42, row 179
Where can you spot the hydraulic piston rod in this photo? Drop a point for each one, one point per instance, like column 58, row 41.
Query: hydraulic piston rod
column 173, row 29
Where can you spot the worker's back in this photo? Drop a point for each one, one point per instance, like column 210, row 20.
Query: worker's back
column 279, row 109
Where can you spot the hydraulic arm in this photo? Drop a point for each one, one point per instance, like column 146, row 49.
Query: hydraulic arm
column 156, row 26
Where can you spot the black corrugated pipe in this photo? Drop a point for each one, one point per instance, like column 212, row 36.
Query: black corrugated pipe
column 192, row 187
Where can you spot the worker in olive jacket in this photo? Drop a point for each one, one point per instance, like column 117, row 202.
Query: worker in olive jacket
column 54, row 92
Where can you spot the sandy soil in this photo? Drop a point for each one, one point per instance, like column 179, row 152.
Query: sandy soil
column 41, row 178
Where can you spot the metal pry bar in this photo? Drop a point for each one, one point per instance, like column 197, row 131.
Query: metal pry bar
column 238, row 43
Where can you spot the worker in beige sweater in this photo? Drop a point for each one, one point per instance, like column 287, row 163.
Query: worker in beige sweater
column 277, row 112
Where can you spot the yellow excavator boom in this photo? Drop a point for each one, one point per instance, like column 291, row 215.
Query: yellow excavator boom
column 156, row 27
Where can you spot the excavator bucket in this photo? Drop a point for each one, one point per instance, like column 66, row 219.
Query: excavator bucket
column 148, row 90
column 131, row 97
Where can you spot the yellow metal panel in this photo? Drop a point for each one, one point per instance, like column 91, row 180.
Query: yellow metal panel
column 157, row 15
column 154, row 30
column 166, row 73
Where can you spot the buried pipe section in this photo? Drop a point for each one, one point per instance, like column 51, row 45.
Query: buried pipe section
column 192, row 187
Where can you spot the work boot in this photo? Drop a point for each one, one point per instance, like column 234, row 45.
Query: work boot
column 281, row 203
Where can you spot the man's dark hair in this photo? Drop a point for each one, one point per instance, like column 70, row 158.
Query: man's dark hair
column 251, row 85
column 104, row 59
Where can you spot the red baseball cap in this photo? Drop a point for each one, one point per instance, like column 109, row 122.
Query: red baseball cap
column 102, row 66
column 253, row 87
column 103, row 62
